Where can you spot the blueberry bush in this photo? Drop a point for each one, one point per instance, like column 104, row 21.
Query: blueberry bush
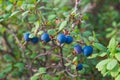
column 59, row 40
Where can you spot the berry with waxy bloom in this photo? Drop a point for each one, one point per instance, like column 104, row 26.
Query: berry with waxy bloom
column 61, row 38
column 87, row 50
column 79, row 67
column 34, row 40
column 78, row 49
column 69, row 39
column 26, row 36
column 45, row 37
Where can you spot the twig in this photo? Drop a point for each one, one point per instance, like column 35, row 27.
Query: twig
column 61, row 55
column 16, row 38
column 76, row 5
column 8, row 44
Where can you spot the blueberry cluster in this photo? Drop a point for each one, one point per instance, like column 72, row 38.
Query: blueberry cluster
column 44, row 37
column 62, row 38
column 34, row 40
column 87, row 51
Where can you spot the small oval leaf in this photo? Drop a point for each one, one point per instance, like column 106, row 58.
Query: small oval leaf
column 62, row 25
column 112, row 64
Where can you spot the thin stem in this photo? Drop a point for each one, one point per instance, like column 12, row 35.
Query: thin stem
column 76, row 5
column 16, row 38
column 61, row 55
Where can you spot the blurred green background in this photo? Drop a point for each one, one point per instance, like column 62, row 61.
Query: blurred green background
column 100, row 22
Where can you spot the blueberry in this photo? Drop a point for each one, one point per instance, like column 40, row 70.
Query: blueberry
column 69, row 39
column 26, row 36
column 45, row 37
column 79, row 67
column 61, row 38
column 78, row 49
column 34, row 40
column 87, row 50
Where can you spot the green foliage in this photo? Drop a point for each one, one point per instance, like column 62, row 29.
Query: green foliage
column 111, row 64
column 94, row 23
column 62, row 25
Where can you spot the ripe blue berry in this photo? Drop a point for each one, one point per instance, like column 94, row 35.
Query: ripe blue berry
column 34, row 40
column 87, row 50
column 61, row 38
column 79, row 67
column 45, row 37
column 26, row 36
column 78, row 49
column 69, row 39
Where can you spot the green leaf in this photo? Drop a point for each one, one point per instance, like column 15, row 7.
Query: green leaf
column 30, row 6
column 40, row 32
column 91, row 38
column 118, row 77
column 1, row 20
column 104, row 72
column 14, row 13
column 112, row 45
column 62, row 25
column 114, row 23
column 103, row 54
column 54, row 58
column 86, row 65
column 8, row 58
column 87, row 33
column 51, row 17
column 117, row 56
column 81, row 71
column 51, row 31
column 3, row 30
column 33, row 55
column 31, row 35
column 119, row 69
column 34, row 78
column 67, row 64
column 7, row 69
column 37, row 24
column 9, row 7
column 19, row 3
column 25, row 13
column 73, row 67
column 6, row 16
column 56, row 2
column 114, row 72
column 75, row 59
column 19, row 65
column 85, row 17
column 102, row 64
column 2, row 75
column 93, row 56
column 113, row 32
column 32, row 18
column 42, row 70
column 112, row 64
column 100, row 46
column 24, row 6
column 47, row 77
column 12, row 1
column 1, row 1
